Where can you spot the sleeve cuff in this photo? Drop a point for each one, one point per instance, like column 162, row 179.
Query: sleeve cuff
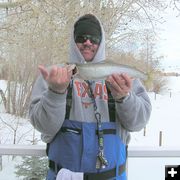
column 123, row 99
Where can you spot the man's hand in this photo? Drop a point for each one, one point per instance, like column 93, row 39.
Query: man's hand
column 58, row 78
column 119, row 84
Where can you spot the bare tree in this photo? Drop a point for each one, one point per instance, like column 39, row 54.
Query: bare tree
column 37, row 32
column 13, row 125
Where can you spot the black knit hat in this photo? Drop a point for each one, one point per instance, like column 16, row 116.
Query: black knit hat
column 87, row 25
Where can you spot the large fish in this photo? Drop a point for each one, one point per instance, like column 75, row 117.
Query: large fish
column 99, row 71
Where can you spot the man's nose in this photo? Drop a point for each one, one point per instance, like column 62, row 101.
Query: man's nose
column 87, row 42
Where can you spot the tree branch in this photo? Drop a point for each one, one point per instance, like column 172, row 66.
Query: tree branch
column 6, row 5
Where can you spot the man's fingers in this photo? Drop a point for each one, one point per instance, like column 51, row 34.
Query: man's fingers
column 53, row 72
column 60, row 74
column 128, row 80
column 119, row 83
column 114, row 82
column 43, row 71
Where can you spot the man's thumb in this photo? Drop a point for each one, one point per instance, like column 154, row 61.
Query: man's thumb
column 43, row 71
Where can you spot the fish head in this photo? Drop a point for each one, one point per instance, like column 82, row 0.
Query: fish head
column 75, row 71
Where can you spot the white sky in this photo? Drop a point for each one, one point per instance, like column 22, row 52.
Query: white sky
column 170, row 43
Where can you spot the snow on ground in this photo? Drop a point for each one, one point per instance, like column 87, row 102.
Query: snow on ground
column 18, row 129
column 165, row 117
column 8, row 168
column 12, row 127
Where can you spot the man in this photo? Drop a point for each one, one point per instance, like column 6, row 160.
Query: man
column 87, row 131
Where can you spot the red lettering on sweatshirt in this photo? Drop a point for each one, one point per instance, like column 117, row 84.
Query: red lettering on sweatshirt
column 78, row 87
column 85, row 89
column 100, row 90
column 105, row 97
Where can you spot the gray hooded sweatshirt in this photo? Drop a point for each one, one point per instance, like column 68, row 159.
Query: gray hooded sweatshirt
column 47, row 109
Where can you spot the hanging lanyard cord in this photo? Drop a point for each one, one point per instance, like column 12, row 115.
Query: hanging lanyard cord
column 101, row 160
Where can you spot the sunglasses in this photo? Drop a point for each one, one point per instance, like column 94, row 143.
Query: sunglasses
column 84, row 38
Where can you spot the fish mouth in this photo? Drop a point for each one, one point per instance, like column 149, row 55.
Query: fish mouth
column 75, row 71
column 73, row 68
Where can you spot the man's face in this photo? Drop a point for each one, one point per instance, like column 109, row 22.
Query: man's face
column 88, row 46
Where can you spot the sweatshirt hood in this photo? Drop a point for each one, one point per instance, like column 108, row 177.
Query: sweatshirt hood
column 75, row 55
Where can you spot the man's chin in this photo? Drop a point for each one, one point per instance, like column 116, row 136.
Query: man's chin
column 88, row 60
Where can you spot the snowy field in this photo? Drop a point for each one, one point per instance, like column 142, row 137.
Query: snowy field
column 165, row 117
